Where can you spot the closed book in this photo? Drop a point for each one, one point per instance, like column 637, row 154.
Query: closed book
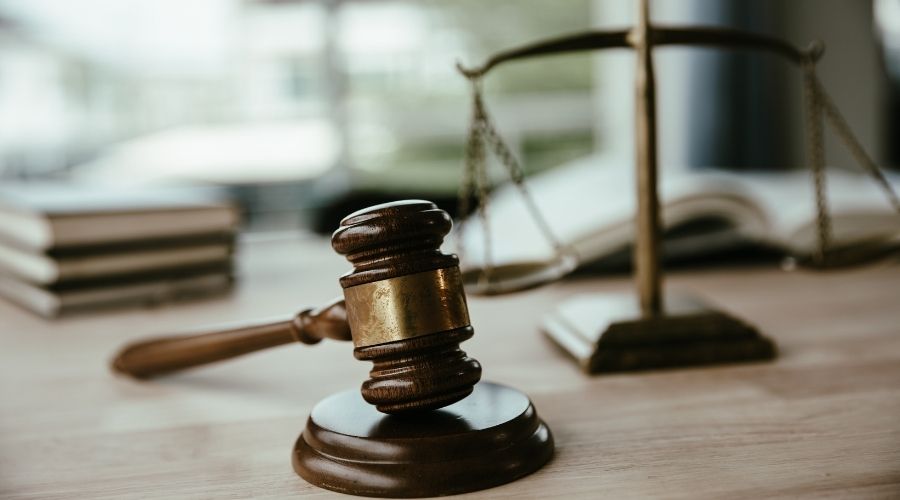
column 42, row 216
column 61, row 267
column 55, row 301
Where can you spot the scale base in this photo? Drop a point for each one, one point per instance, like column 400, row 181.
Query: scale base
column 606, row 333
column 492, row 437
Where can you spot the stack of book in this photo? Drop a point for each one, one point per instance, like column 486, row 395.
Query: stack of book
column 65, row 248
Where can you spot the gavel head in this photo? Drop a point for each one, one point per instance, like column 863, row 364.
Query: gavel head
column 406, row 306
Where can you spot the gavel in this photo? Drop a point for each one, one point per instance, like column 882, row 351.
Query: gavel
column 404, row 308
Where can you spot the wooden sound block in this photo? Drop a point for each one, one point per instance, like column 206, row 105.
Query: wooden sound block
column 492, row 437
column 607, row 333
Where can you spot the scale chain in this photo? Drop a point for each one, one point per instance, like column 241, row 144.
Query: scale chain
column 482, row 131
column 819, row 104
column 816, row 154
column 474, row 157
column 843, row 131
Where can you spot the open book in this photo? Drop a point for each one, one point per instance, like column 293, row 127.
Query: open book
column 591, row 209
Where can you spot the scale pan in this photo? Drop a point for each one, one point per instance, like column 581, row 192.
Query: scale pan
column 510, row 278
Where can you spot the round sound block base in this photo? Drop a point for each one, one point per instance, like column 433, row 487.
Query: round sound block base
column 492, row 437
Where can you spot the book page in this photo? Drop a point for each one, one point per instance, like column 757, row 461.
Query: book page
column 859, row 208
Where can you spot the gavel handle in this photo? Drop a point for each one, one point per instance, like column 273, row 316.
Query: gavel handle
column 162, row 355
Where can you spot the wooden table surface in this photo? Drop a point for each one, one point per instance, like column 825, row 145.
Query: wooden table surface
column 821, row 421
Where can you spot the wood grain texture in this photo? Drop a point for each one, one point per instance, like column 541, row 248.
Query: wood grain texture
column 819, row 422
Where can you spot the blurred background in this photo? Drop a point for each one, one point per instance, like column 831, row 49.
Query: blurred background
column 304, row 110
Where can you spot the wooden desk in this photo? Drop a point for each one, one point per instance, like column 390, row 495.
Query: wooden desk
column 821, row 421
